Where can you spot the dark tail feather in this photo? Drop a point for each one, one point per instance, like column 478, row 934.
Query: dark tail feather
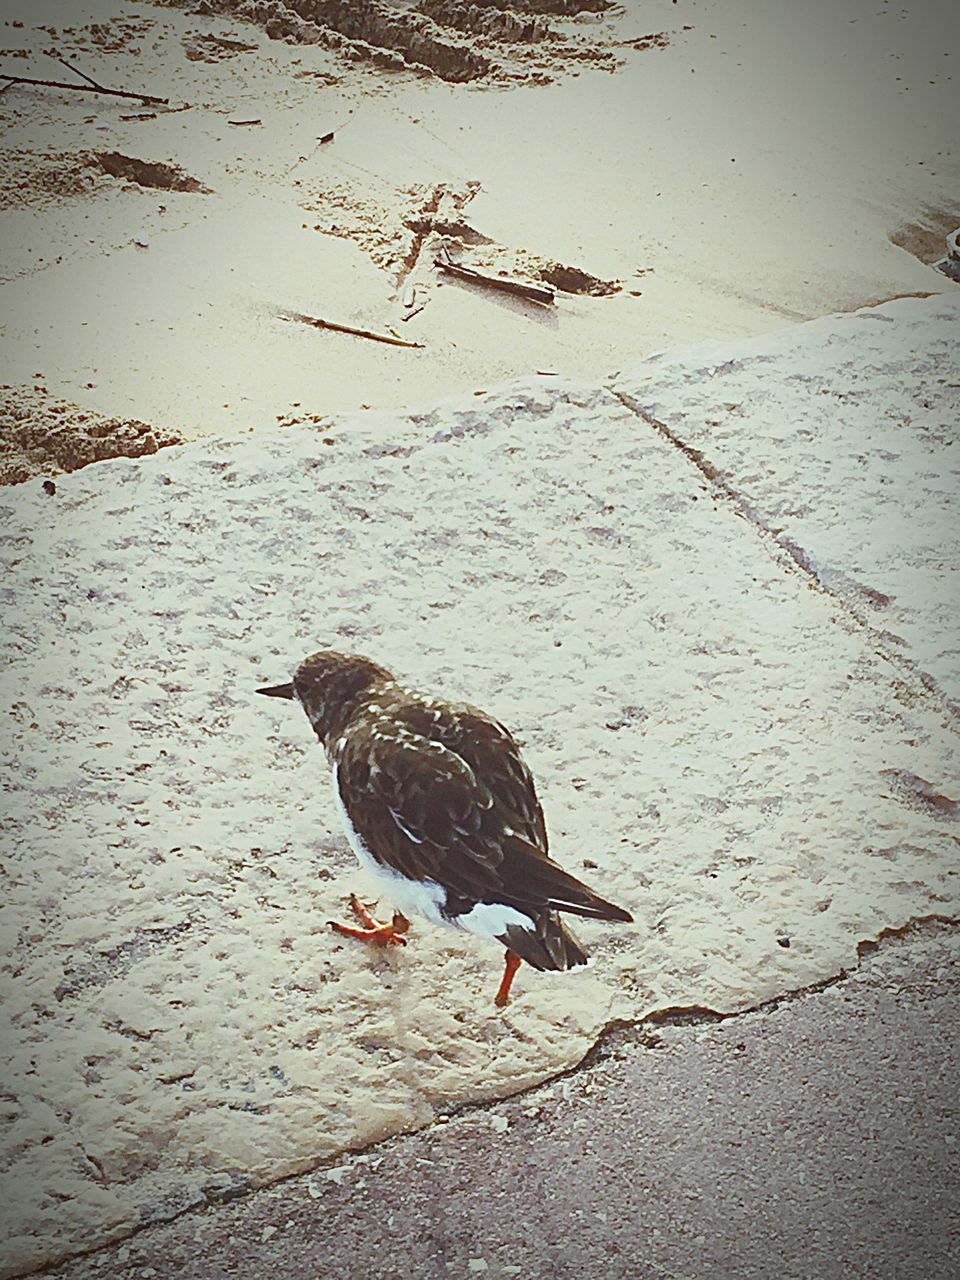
column 548, row 944
column 537, row 879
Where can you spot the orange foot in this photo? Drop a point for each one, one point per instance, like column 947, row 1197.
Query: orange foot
column 373, row 930
column 510, row 967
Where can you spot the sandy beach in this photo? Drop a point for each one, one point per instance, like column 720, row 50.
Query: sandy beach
column 708, row 173
column 689, row 529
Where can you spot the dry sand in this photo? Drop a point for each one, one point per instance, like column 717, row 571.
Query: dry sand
column 712, row 593
column 742, row 166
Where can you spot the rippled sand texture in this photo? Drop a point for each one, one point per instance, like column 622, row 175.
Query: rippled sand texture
column 740, row 711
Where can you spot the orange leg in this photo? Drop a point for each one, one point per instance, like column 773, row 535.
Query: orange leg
column 511, row 965
column 373, row 930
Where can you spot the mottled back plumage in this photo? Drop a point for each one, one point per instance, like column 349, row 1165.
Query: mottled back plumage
column 437, row 793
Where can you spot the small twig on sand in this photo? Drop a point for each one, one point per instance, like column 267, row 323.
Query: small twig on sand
column 346, row 328
column 258, row 121
column 532, row 292
column 83, row 88
column 70, row 67
column 415, row 312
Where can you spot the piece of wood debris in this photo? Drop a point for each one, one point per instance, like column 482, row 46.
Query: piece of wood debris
column 51, row 53
column 327, row 137
column 531, row 292
column 317, row 323
column 239, row 122
column 141, row 115
column 83, row 88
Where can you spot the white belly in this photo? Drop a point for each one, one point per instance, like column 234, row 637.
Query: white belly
column 425, row 897
column 411, row 897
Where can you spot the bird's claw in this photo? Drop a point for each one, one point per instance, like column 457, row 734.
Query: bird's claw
column 373, row 930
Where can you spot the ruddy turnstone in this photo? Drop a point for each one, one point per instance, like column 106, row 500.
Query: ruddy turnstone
column 441, row 810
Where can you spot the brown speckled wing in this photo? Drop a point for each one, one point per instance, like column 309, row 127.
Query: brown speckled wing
column 435, row 794
column 440, row 792
column 493, row 756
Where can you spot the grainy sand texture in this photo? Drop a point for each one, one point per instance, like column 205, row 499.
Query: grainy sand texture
column 688, row 531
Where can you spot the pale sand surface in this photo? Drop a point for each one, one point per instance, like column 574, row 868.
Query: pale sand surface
column 751, row 170
column 712, row 593
column 725, row 742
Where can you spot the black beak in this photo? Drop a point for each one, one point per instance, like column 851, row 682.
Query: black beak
column 278, row 691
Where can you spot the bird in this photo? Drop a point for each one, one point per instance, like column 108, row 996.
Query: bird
column 441, row 810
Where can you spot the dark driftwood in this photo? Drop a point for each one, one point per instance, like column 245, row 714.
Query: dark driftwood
column 347, row 328
column 76, row 70
column 532, row 292
column 83, row 88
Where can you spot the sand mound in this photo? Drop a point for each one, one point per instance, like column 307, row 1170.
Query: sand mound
column 568, row 279
column 458, row 42
column 925, row 236
column 123, row 35
column 31, row 179
column 391, row 227
column 204, row 47
column 404, row 231
column 40, row 435
column 144, row 173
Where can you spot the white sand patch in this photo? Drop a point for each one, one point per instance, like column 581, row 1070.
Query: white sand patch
column 712, row 733
column 751, row 171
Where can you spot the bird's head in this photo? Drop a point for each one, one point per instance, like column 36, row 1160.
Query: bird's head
column 328, row 685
